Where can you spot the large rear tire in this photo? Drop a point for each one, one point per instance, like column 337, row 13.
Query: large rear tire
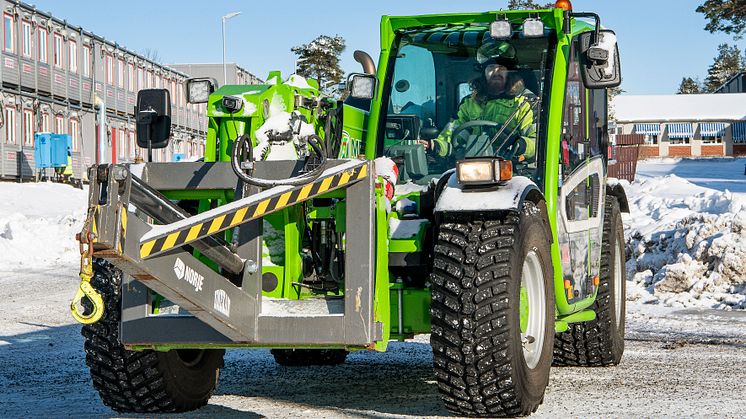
column 492, row 312
column 143, row 381
column 308, row 357
column 600, row 343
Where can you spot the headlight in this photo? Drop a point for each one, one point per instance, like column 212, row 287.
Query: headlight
column 484, row 171
column 199, row 90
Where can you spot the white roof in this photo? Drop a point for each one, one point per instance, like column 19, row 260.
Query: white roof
column 721, row 107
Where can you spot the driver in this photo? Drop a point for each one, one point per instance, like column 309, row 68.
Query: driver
column 496, row 95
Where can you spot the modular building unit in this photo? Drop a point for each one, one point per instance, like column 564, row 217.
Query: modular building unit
column 53, row 75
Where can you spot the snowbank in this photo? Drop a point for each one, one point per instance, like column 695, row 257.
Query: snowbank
column 38, row 223
column 686, row 244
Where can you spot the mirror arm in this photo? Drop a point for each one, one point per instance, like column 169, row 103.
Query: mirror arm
column 597, row 19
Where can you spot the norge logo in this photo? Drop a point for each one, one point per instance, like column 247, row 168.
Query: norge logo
column 188, row 274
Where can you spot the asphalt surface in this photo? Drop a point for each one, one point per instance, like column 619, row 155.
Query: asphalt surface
column 677, row 363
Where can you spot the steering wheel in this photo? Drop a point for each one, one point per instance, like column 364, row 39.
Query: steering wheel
column 510, row 144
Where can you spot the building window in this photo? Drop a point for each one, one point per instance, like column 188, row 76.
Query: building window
column 110, row 70
column 59, row 124
column 679, row 141
column 712, row 139
column 680, row 133
column 157, row 82
column 180, row 92
column 134, row 152
column 173, row 93
column 74, row 133
column 122, row 144
column 651, row 139
column 28, row 127
column 150, row 79
column 57, row 50
column 26, row 38
column 45, row 122
column 86, row 61
column 43, row 34
column 120, row 74
column 131, row 77
column 10, row 125
column 712, row 132
column 739, row 132
column 140, row 81
column 73, row 56
column 10, row 33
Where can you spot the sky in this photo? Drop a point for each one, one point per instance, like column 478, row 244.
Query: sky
column 660, row 41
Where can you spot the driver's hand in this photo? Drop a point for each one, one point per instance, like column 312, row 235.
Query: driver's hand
column 425, row 143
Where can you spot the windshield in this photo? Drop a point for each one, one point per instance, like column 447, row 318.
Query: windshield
column 456, row 93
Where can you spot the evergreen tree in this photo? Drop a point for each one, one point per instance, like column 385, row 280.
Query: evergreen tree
column 728, row 16
column 612, row 93
column 727, row 64
column 689, row 86
column 527, row 4
column 319, row 59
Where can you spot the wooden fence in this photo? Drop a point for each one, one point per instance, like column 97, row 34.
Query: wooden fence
column 623, row 161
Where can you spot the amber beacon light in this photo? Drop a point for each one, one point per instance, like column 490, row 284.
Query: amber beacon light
column 564, row 5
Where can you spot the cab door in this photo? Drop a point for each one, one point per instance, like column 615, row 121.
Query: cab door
column 581, row 192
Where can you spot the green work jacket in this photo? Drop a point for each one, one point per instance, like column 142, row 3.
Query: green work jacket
column 496, row 110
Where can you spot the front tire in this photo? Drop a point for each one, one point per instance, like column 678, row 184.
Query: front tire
column 492, row 312
column 143, row 381
column 600, row 343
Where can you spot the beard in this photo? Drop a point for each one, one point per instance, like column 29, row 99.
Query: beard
column 496, row 84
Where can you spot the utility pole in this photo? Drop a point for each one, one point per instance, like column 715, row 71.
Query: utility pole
column 223, row 19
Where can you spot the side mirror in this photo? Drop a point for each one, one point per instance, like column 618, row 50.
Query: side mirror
column 601, row 66
column 362, row 86
column 153, row 116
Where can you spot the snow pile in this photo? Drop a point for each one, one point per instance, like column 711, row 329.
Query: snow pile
column 686, row 244
column 38, row 223
column 405, row 229
column 297, row 81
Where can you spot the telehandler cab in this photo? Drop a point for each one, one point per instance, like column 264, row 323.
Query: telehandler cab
column 316, row 227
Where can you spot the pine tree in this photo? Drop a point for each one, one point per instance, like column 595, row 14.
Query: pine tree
column 727, row 64
column 527, row 5
column 319, row 59
column 728, row 16
column 612, row 93
column 689, row 86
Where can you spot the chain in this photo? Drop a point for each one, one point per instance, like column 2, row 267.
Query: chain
column 85, row 240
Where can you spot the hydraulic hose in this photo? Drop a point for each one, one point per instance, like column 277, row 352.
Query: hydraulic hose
column 244, row 141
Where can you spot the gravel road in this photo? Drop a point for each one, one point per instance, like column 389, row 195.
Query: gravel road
column 677, row 363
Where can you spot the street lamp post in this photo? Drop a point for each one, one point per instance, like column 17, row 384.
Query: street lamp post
column 223, row 19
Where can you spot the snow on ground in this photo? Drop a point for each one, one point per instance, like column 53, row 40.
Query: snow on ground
column 692, row 351
column 686, row 233
column 38, row 223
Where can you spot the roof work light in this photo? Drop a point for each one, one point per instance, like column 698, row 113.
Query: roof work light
column 501, row 29
column 564, row 5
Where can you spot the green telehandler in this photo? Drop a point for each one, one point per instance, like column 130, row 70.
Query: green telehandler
column 460, row 189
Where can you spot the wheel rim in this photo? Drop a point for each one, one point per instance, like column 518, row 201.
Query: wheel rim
column 532, row 309
column 618, row 284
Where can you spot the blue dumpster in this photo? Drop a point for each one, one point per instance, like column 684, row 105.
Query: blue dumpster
column 60, row 150
column 43, row 150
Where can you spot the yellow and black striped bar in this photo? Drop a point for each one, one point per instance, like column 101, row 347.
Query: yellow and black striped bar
column 252, row 210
